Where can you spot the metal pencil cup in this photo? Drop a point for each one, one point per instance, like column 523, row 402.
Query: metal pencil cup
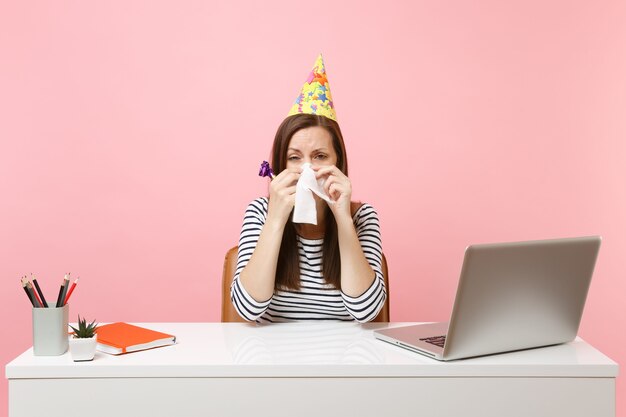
column 50, row 330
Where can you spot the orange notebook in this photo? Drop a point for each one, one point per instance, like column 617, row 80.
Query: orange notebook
column 117, row 338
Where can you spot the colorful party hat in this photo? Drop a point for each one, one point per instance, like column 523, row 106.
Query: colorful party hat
column 315, row 97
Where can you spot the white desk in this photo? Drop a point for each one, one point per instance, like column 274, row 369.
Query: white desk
column 306, row 369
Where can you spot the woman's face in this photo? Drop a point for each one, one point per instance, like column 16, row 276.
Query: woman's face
column 313, row 145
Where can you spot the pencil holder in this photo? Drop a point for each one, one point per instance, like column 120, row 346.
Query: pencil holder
column 50, row 330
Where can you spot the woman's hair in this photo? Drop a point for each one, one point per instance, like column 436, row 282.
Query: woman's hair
column 288, row 268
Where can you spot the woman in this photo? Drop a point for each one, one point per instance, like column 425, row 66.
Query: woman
column 325, row 271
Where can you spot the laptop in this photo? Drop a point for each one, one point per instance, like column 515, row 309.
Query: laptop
column 510, row 296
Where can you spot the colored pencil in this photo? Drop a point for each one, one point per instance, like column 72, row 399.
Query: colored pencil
column 43, row 299
column 62, row 291
column 66, row 285
column 30, row 290
column 27, row 293
column 70, row 291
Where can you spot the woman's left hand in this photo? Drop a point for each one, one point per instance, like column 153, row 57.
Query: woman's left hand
column 338, row 187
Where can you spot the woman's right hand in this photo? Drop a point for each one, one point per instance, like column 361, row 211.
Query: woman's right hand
column 282, row 195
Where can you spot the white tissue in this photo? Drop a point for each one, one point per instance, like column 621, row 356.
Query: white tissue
column 305, row 210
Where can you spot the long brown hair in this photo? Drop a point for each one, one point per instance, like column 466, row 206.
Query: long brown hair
column 288, row 267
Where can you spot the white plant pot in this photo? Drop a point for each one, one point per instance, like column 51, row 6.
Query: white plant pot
column 83, row 349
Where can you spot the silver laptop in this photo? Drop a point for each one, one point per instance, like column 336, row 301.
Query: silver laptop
column 510, row 296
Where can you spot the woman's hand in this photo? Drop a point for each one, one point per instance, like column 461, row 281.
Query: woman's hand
column 282, row 195
column 338, row 187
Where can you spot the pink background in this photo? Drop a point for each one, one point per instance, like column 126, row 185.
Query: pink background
column 131, row 135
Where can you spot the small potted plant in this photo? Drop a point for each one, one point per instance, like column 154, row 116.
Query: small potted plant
column 84, row 340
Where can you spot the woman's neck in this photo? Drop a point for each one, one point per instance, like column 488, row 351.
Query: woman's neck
column 311, row 231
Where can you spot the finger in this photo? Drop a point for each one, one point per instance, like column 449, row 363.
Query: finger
column 328, row 171
column 286, row 178
column 334, row 188
column 327, row 183
column 322, row 168
column 289, row 190
column 285, row 172
column 292, row 178
column 334, row 192
column 333, row 180
column 322, row 173
column 284, row 192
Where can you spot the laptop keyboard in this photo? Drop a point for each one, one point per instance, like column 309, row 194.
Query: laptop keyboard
column 435, row 340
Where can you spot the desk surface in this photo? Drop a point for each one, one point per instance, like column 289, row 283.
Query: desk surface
column 323, row 349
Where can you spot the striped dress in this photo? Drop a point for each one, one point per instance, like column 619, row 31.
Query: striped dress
column 315, row 300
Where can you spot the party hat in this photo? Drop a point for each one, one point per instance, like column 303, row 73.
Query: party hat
column 315, row 97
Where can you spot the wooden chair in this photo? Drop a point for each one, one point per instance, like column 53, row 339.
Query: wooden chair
column 229, row 314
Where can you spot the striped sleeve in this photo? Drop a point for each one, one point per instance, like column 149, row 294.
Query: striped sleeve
column 366, row 306
column 253, row 221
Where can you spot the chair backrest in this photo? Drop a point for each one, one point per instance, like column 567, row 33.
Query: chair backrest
column 229, row 314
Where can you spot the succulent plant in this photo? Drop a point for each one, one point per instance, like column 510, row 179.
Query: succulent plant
column 84, row 330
